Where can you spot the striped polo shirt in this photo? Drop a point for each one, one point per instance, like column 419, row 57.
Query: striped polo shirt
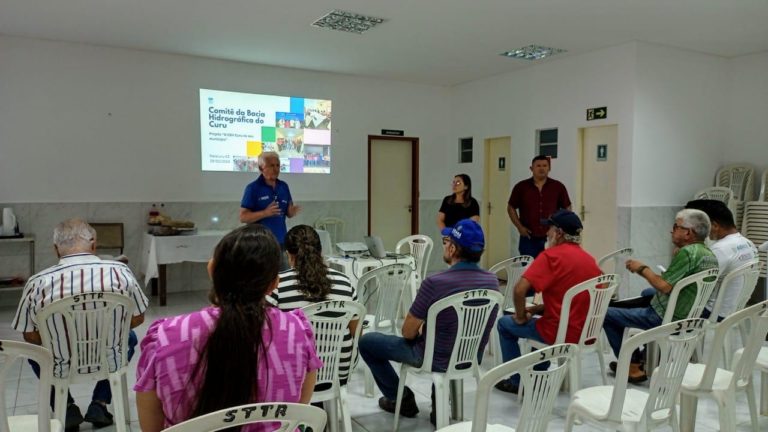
column 288, row 296
column 74, row 275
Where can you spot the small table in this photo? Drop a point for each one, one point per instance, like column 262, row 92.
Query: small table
column 30, row 241
column 158, row 251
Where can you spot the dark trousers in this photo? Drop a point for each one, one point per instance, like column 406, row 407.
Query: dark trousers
column 102, row 391
column 532, row 246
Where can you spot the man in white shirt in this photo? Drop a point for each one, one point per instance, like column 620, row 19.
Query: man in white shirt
column 79, row 271
column 731, row 249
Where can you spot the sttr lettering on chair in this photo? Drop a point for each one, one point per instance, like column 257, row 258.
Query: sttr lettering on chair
column 476, row 293
column 556, row 350
column 87, row 297
column 280, row 410
column 330, row 304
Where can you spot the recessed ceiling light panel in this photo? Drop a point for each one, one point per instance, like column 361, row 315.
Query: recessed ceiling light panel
column 533, row 52
column 347, row 21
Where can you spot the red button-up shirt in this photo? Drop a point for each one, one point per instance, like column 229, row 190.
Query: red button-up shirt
column 534, row 204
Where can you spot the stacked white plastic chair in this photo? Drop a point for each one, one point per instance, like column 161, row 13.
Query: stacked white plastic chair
column 330, row 323
column 600, row 291
column 762, row 365
column 288, row 416
column 721, row 384
column 386, row 286
column 540, row 395
column 474, row 310
column 420, row 247
column 739, row 178
column 763, row 195
column 513, row 269
column 618, row 407
column 719, row 193
column 755, row 225
column 89, row 320
column 10, row 352
column 334, row 226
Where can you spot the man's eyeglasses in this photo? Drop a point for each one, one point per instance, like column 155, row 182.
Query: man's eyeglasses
column 676, row 226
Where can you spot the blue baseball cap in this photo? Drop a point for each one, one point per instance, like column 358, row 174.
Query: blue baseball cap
column 466, row 233
column 566, row 220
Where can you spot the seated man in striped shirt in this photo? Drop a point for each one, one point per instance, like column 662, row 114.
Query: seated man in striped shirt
column 79, row 271
column 462, row 248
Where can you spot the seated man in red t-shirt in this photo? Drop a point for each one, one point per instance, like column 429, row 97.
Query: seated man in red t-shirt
column 562, row 265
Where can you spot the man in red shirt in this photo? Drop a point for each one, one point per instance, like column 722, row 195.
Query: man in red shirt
column 562, row 265
column 536, row 198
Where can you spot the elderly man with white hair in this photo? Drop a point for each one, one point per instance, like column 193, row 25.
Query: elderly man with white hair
column 79, row 271
column 689, row 231
column 267, row 200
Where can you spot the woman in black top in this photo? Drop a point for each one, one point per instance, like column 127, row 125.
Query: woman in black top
column 460, row 205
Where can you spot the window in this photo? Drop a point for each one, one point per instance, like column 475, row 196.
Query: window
column 465, row 150
column 546, row 142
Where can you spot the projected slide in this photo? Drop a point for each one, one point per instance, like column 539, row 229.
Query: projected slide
column 235, row 128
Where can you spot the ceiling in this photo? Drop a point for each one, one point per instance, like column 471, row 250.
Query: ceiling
column 440, row 42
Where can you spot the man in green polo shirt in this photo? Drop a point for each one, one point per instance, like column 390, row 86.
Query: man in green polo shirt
column 689, row 231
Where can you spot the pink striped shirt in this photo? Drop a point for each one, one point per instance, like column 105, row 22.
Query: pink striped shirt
column 171, row 348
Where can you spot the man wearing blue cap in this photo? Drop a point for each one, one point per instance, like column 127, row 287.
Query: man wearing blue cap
column 463, row 246
column 562, row 265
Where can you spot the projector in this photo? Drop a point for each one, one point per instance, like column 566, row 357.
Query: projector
column 352, row 248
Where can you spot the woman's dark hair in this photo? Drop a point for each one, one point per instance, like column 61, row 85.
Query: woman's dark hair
column 467, row 194
column 303, row 243
column 245, row 265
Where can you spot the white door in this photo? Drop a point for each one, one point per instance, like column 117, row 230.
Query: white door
column 390, row 189
column 493, row 211
column 598, row 189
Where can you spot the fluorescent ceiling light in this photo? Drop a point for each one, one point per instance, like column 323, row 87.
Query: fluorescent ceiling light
column 533, row 52
column 347, row 21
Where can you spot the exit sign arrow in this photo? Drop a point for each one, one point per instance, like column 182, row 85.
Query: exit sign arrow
column 599, row 113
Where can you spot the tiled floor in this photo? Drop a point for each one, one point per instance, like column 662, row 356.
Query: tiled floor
column 21, row 389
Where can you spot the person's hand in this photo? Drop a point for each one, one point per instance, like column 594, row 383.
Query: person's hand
column 524, row 232
column 521, row 319
column 634, row 265
column 293, row 210
column 272, row 210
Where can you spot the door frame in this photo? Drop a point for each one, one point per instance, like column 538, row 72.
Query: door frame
column 485, row 217
column 414, row 177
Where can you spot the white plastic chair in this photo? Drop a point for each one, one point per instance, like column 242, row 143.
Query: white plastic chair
column 600, row 291
column 762, row 365
column 738, row 178
column 289, row 415
column 334, row 226
column 330, row 322
column 614, row 263
column 539, row 398
column 705, row 284
column 420, row 247
column 388, row 284
column 749, row 274
column 474, row 310
column 97, row 325
column 721, row 384
column 514, row 268
column 326, row 244
column 719, row 193
column 763, row 196
column 10, row 351
column 617, row 407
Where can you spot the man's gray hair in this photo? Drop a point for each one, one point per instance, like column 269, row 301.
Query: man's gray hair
column 73, row 234
column 571, row 238
column 697, row 221
column 266, row 156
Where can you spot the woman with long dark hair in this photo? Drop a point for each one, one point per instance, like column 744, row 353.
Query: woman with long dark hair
column 309, row 281
column 238, row 350
column 459, row 205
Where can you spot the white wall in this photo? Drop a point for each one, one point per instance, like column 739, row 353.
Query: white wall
column 746, row 139
column 680, row 118
column 81, row 123
column 553, row 94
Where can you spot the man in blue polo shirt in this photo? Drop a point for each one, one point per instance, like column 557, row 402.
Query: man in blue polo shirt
column 462, row 248
column 267, row 200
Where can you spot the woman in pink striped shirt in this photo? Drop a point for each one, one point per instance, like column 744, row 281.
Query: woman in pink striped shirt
column 238, row 350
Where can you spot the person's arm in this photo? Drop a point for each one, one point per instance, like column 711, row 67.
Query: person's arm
column 33, row 337
column 411, row 327
column 655, row 280
column 440, row 220
column 137, row 320
column 521, row 289
column 293, row 210
column 353, row 327
column 308, row 387
column 525, row 232
column 249, row 216
column 151, row 417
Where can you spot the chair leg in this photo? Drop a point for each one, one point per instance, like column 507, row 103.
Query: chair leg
column 400, row 391
column 442, row 410
column 688, row 405
column 60, row 402
column 764, row 393
column 674, row 421
column 569, row 420
column 118, row 402
column 651, row 358
column 127, row 408
column 332, row 409
column 344, row 397
column 752, row 402
column 601, row 361
column 727, row 405
column 574, row 372
column 368, row 381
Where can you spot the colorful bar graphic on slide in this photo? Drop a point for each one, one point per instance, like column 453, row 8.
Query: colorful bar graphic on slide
column 235, row 128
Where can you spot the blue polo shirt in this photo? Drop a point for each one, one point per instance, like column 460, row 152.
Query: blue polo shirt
column 258, row 195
